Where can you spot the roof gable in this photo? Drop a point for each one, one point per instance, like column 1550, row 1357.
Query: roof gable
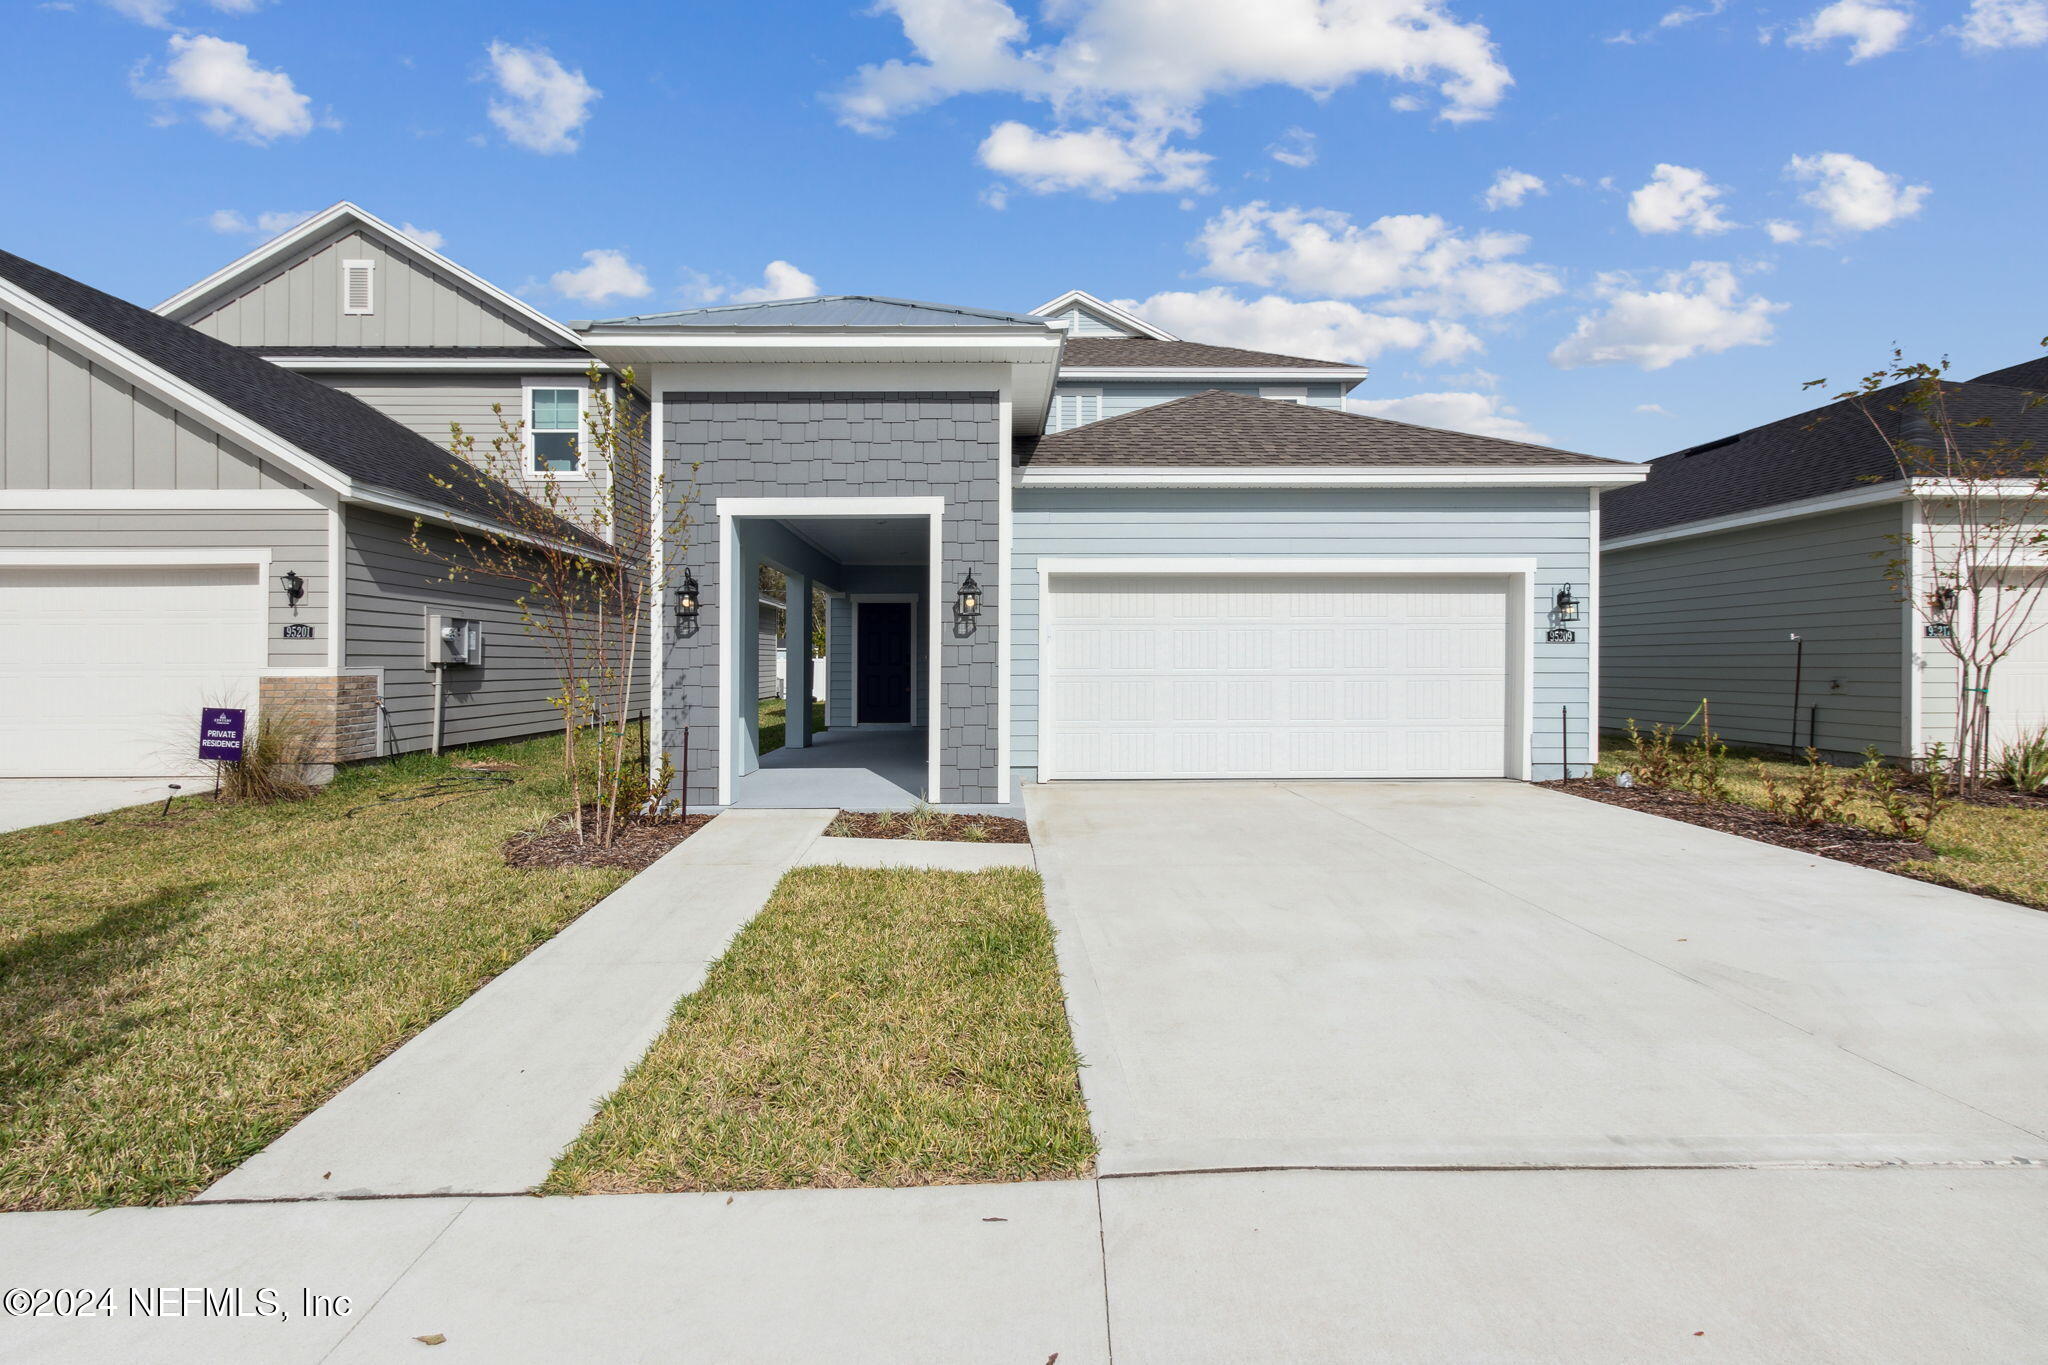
column 1218, row 429
column 1086, row 315
column 287, row 294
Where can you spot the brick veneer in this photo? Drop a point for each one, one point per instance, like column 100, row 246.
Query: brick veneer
column 341, row 709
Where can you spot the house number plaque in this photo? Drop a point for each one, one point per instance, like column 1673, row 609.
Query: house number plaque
column 1558, row 635
column 298, row 632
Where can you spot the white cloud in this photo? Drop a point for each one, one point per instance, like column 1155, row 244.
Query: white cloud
column 1296, row 148
column 1653, row 409
column 235, row 97
column 1324, row 329
column 1139, row 67
column 1097, row 161
column 544, row 104
column 1852, row 194
column 269, row 224
column 1419, row 262
column 155, row 13
column 780, row 280
column 604, row 275
column 1678, row 199
column 1510, row 188
column 1673, row 18
column 1783, row 232
column 426, row 237
column 1696, row 311
column 1482, row 414
column 1994, row 24
column 1871, row 29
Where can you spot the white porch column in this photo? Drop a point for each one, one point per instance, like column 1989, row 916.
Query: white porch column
column 796, row 644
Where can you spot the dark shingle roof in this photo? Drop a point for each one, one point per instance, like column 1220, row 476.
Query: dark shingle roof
column 1219, row 429
column 1829, row 449
column 2028, row 374
column 1146, row 353
column 429, row 352
column 338, row 430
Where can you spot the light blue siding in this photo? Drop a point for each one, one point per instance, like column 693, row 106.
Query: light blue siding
column 1551, row 525
column 1082, row 323
column 1119, row 398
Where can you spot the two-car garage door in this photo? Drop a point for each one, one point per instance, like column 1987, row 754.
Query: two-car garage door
column 1275, row 676
column 105, row 668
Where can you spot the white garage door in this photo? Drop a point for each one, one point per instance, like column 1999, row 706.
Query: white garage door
column 1268, row 676
column 2019, row 682
column 104, row 669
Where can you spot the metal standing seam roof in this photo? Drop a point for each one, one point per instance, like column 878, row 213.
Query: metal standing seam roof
column 831, row 310
column 338, row 430
column 1219, row 429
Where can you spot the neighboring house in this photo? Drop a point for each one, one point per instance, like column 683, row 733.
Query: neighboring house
column 184, row 524
column 1733, row 547
column 1054, row 545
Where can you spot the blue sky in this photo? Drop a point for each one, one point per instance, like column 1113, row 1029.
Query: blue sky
column 1734, row 198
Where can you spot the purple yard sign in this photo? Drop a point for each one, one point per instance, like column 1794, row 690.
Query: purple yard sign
column 220, row 734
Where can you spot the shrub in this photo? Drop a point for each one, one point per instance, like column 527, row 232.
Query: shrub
column 1652, row 761
column 1815, row 798
column 1702, row 762
column 2024, row 766
column 1910, row 808
column 275, row 760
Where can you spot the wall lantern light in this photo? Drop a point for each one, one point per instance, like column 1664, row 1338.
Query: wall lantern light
column 1941, row 605
column 1567, row 606
column 967, row 602
column 686, row 602
column 294, row 587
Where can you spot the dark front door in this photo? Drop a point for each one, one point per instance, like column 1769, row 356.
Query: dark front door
column 882, row 687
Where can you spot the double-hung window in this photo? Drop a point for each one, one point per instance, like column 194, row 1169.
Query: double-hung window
column 1074, row 407
column 554, row 429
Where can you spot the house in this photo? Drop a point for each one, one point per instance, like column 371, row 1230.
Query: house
column 1059, row 544
column 185, row 524
column 1752, row 571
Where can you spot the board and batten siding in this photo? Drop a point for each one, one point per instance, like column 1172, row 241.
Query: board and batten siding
column 66, row 422
column 298, row 303
column 294, row 538
column 1712, row 617
column 1551, row 525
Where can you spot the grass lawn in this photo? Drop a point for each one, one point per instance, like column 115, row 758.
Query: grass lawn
column 868, row 1028
column 174, row 994
column 775, row 722
column 2001, row 850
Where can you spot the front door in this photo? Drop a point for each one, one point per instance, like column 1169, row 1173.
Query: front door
column 882, row 641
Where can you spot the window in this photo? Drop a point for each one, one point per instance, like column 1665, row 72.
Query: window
column 554, row 422
column 1285, row 395
column 358, row 287
column 1074, row 407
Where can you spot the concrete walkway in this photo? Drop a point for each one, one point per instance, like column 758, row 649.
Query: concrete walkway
column 1459, row 975
column 1861, row 1266
column 485, row 1099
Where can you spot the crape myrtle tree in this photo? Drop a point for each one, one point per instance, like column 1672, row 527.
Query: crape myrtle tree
column 584, row 558
column 1973, row 572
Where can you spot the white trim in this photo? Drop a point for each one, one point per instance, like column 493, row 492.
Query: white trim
column 658, row 528
column 1592, row 628
column 830, row 507
column 935, row 639
column 159, row 500
column 1109, row 312
column 728, row 647
column 260, row 557
column 528, row 470
column 409, row 364
column 1784, row 511
column 1349, row 377
column 1518, row 570
column 1916, row 669
column 1565, row 476
column 1005, row 536
column 289, row 240
column 368, row 267
column 854, row 603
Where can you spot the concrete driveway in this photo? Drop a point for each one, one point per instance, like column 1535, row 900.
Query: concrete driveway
column 1494, row 975
column 26, row 802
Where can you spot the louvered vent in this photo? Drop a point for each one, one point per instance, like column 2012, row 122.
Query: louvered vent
column 358, row 288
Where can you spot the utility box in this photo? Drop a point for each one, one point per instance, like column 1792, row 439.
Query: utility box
column 454, row 640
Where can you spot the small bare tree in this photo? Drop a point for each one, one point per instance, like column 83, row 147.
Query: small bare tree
column 1974, row 574
column 584, row 558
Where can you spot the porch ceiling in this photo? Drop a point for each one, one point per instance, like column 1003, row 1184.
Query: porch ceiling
column 866, row 540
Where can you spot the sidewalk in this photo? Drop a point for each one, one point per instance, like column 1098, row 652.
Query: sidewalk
column 483, row 1101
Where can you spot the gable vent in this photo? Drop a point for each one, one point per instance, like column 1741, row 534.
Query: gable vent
column 358, row 287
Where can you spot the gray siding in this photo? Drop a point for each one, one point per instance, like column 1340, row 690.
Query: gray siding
column 1710, row 616
column 68, row 423
column 1552, row 525
column 764, row 654
column 295, row 539
column 298, row 303
column 392, row 590
column 839, row 662
column 844, row 445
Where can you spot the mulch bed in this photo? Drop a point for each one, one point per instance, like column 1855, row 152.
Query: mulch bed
column 934, row 825
column 1845, row 843
column 639, row 843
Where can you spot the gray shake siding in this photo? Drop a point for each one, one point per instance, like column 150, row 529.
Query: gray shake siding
column 842, row 444
column 296, row 539
column 1552, row 525
column 1709, row 617
column 299, row 304
column 68, row 423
